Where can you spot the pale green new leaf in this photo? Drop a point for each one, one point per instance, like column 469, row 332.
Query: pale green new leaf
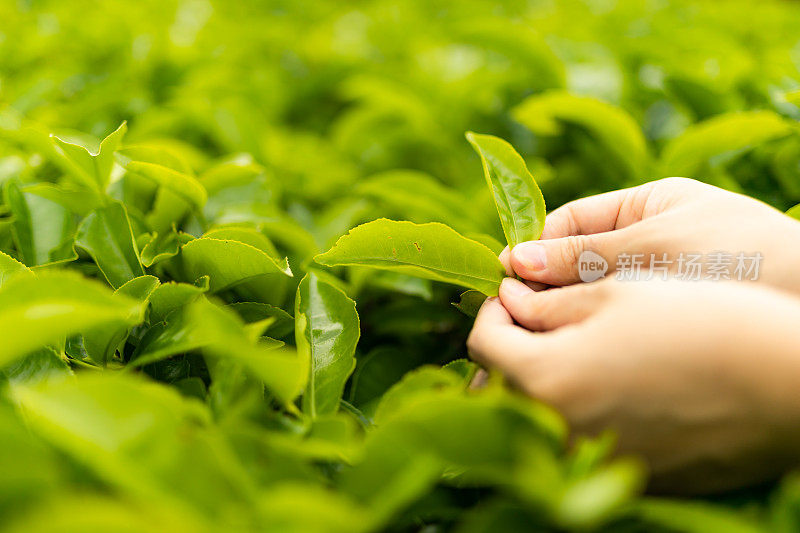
column 106, row 235
column 179, row 183
column 433, row 251
column 327, row 332
column 42, row 229
column 10, row 267
column 519, row 201
column 230, row 262
column 46, row 308
column 93, row 169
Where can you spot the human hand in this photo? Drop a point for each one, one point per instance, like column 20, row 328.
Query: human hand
column 669, row 216
column 690, row 378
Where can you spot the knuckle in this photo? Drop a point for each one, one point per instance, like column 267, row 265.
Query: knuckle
column 572, row 249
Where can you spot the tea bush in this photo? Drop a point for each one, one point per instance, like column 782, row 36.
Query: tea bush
column 231, row 236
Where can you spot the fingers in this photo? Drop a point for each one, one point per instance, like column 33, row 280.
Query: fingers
column 505, row 258
column 551, row 309
column 497, row 342
column 538, row 363
column 557, row 261
column 480, row 380
column 594, row 214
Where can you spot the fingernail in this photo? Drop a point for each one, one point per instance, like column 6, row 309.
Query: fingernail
column 514, row 288
column 532, row 255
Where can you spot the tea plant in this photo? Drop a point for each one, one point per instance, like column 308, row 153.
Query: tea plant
column 236, row 310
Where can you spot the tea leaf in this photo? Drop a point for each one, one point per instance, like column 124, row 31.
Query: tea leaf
column 432, row 251
column 229, row 262
column 723, row 135
column 327, row 332
column 519, row 201
column 92, row 169
column 107, row 236
column 178, row 183
column 46, row 308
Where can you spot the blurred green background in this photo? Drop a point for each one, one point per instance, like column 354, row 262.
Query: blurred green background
column 324, row 93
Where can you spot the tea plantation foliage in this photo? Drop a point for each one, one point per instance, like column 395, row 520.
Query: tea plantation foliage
column 172, row 355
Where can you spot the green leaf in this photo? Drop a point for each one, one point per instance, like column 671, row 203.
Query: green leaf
column 83, row 512
column 377, row 371
column 141, row 438
column 155, row 249
column 327, row 332
column 106, row 235
column 433, row 251
column 615, row 130
column 140, row 288
column 794, row 212
column 38, row 366
column 168, row 297
column 519, row 201
column 101, row 343
column 10, row 267
column 43, row 230
column 230, row 262
column 46, row 308
column 254, row 238
column 693, row 517
column 589, row 501
column 421, row 380
column 296, row 508
column 178, row 183
column 283, row 372
column 283, row 322
column 92, row 169
column 487, row 240
column 717, row 139
column 397, row 282
column 470, row 302
column 74, row 200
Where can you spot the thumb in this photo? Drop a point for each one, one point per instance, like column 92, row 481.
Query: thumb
column 562, row 261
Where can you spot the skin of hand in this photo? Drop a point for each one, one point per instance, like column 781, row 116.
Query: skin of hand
column 690, row 378
column 672, row 216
